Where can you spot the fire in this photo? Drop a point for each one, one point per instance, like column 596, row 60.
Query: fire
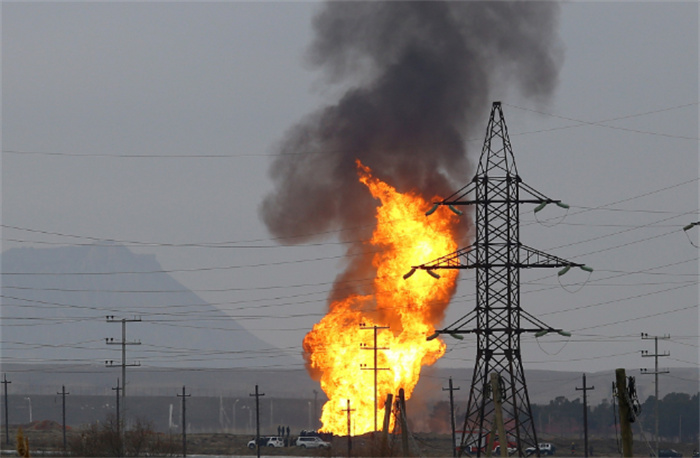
column 341, row 346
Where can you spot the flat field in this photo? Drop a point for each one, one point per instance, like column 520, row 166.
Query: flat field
column 50, row 443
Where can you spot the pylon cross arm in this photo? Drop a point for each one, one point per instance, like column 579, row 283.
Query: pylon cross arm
column 531, row 257
column 459, row 197
column 536, row 195
column 460, row 193
column 465, row 258
column 451, row 261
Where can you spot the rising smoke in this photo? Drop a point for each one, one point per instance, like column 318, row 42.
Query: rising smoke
column 418, row 80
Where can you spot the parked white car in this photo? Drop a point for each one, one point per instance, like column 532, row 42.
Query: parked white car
column 275, row 442
column 545, row 449
column 262, row 441
column 312, row 442
column 266, row 441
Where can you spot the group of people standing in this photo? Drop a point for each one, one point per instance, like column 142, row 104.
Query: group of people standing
column 281, row 431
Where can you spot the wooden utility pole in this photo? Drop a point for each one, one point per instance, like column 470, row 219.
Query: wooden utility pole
column 585, row 414
column 348, row 410
column 404, row 423
column 63, row 413
column 119, row 428
column 375, row 368
column 123, row 343
column 184, row 421
column 387, row 419
column 452, row 416
column 315, row 425
column 625, row 409
column 655, row 355
column 257, row 418
column 5, row 382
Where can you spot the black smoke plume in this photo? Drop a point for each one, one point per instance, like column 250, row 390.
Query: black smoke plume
column 418, row 78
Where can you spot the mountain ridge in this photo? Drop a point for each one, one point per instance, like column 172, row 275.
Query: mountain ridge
column 56, row 300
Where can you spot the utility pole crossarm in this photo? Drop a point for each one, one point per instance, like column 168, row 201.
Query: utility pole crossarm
column 112, row 363
column 111, row 341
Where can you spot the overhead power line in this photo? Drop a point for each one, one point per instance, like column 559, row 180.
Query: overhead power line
column 274, row 241
column 579, row 123
column 242, row 244
column 604, row 122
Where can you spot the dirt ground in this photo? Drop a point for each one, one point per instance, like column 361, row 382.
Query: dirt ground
column 41, row 442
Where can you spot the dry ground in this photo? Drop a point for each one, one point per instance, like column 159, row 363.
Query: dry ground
column 235, row 445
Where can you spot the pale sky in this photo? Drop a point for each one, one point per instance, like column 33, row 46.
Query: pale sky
column 154, row 123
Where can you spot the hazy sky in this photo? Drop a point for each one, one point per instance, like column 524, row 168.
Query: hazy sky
column 154, row 124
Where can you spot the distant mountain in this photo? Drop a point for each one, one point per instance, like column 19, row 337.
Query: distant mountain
column 55, row 302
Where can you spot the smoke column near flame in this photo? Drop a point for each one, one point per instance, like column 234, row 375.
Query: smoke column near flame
column 416, row 80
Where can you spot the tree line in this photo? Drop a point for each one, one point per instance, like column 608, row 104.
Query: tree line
column 679, row 417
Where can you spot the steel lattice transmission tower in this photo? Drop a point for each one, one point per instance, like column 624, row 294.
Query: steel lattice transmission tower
column 498, row 320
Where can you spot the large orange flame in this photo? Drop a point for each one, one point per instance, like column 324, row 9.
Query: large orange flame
column 337, row 347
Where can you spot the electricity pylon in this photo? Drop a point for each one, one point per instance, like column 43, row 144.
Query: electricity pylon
column 497, row 255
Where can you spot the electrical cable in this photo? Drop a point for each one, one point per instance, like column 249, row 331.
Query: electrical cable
column 602, row 123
